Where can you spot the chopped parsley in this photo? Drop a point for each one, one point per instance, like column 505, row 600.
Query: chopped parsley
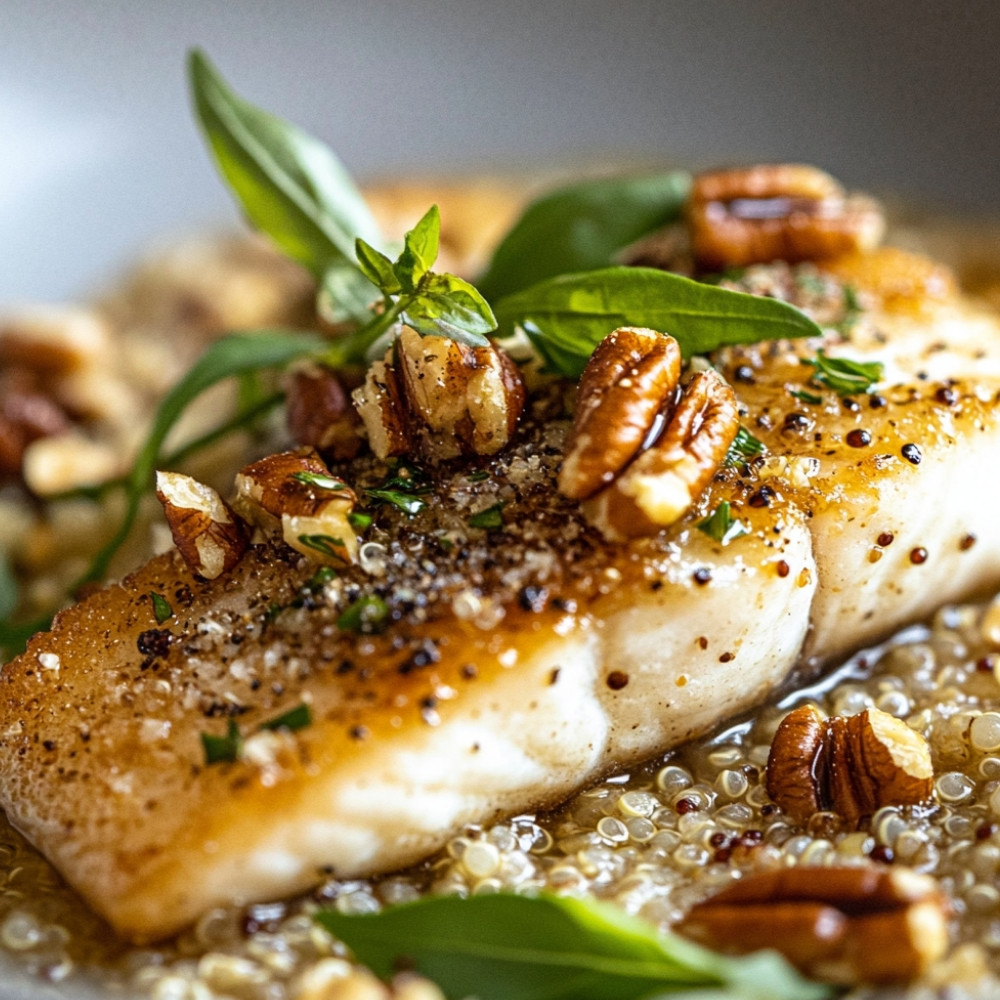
column 408, row 503
column 359, row 520
column 161, row 608
column 722, row 526
column 402, row 489
column 226, row 749
column 490, row 519
column 222, row 749
column 321, row 481
column 844, row 376
column 806, row 397
column 328, row 545
column 321, row 578
column 744, row 447
column 292, row 720
column 407, row 478
column 366, row 615
column 478, row 476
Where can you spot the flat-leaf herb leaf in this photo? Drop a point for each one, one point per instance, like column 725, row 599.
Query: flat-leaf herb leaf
column 568, row 316
column 290, row 185
column 510, row 947
column 845, row 376
column 581, row 227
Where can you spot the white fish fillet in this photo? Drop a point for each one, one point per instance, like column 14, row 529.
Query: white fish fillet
column 523, row 664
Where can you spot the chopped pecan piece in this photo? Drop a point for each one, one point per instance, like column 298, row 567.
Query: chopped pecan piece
column 851, row 766
column 777, row 212
column 209, row 537
column 296, row 493
column 320, row 414
column 847, row 925
column 439, row 399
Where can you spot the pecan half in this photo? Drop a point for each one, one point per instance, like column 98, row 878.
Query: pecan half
column 777, row 212
column 630, row 377
column 626, row 387
column 439, row 399
column 208, row 535
column 846, row 925
column 851, row 766
column 296, row 493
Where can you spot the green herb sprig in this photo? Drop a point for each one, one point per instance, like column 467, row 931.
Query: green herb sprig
column 511, row 947
column 233, row 355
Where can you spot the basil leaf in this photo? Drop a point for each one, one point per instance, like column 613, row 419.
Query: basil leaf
column 377, row 267
column 342, row 297
column 568, row 316
column 510, row 947
column 232, row 355
column 450, row 307
column 420, row 250
column 290, row 185
column 581, row 227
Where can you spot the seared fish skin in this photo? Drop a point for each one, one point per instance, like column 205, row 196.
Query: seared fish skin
column 515, row 664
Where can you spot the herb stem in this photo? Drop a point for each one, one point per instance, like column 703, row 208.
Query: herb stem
column 243, row 418
column 353, row 348
column 233, row 355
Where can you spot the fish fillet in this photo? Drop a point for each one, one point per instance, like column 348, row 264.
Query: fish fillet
column 517, row 664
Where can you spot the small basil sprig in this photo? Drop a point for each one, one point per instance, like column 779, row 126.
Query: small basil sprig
column 290, row 185
column 441, row 305
column 510, row 947
column 295, row 190
column 581, row 227
column 568, row 316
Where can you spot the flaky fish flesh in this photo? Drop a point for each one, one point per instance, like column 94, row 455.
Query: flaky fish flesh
column 513, row 663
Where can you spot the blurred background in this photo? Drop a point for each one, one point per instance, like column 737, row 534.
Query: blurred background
column 100, row 155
